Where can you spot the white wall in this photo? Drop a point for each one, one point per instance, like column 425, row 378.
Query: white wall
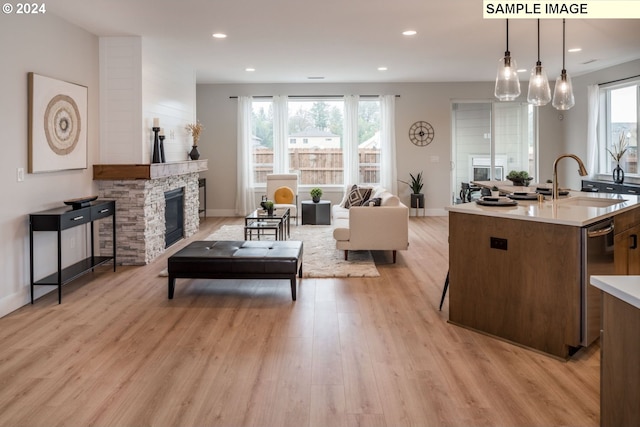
column 49, row 46
column 139, row 82
column 168, row 93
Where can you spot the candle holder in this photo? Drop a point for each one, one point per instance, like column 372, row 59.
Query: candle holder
column 156, row 145
column 162, row 158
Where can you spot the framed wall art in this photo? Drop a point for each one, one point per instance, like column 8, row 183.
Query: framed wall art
column 57, row 125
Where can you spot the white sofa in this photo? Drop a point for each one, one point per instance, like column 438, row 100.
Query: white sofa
column 384, row 227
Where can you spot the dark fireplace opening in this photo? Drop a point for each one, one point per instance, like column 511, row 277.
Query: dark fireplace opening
column 174, row 216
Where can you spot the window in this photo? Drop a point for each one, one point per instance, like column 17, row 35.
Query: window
column 490, row 139
column 316, row 140
column 620, row 110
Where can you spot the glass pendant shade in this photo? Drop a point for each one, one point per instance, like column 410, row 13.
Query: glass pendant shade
column 507, row 82
column 563, row 92
column 539, row 90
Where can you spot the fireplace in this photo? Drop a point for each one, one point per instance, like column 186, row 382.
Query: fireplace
column 174, row 216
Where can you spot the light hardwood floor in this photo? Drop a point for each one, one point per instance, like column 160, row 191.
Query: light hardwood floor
column 348, row 352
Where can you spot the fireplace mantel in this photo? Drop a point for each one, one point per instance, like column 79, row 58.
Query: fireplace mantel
column 147, row 171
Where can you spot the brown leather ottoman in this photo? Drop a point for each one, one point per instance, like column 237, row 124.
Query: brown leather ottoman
column 209, row 259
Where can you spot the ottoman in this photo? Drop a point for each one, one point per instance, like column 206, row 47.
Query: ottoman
column 208, row 259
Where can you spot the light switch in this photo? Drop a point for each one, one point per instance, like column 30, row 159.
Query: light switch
column 20, row 174
column 435, row 159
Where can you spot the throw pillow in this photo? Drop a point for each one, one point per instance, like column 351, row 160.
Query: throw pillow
column 357, row 196
column 283, row 196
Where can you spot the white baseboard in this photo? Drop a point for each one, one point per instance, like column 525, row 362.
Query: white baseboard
column 12, row 302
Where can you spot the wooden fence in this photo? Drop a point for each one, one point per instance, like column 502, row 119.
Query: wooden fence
column 319, row 166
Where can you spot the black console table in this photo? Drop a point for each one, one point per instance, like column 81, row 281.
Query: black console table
column 62, row 218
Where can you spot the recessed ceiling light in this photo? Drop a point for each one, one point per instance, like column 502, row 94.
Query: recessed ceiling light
column 382, row 68
column 574, row 49
column 315, row 78
column 521, row 70
column 219, row 36
column 250, row 69
column 409, row 33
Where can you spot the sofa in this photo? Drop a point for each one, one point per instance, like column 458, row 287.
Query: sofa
column 374, row 221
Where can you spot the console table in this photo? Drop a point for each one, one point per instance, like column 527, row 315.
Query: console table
column 63, row 218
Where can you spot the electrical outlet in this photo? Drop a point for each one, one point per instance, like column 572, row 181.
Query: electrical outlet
column 172, row 134
column 498, row 243
column 20, row 174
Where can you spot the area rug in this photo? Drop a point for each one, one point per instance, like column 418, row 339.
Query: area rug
column 320, row 257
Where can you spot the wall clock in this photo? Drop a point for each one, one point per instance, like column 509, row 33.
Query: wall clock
column 421, row 133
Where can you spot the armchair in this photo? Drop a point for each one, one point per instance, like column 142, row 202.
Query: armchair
column 277, row 190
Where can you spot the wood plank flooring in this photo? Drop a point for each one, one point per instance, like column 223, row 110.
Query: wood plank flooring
column 348, row 352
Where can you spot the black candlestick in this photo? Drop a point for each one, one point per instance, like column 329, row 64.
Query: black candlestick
column 162, row 159
column 156, row 146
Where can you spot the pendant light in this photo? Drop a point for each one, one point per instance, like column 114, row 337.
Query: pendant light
column 563, row 92
column 507, row 83
column 539, row 90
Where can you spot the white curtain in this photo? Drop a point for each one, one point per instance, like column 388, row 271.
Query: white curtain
column 350, row 145
column 245, row 200
column 280, row 135
column 388, row 173
column 593, row 109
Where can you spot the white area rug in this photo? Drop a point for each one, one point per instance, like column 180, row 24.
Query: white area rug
column 320, row 258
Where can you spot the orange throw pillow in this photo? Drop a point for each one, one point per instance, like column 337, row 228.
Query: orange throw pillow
column 283, row 196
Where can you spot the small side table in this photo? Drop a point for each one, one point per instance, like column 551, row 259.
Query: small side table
column 316, row 213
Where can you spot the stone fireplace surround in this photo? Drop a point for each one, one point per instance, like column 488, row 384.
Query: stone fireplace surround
column 140, row 206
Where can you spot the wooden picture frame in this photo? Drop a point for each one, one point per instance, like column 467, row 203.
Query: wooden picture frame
column 57, row 124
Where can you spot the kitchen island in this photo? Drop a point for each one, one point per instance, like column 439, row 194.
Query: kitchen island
column 519, row 272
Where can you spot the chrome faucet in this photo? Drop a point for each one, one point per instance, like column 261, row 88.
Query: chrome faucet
column 582, row 171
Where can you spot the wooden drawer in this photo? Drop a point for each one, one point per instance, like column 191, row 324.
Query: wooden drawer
column 626, row 220
column 103, row 210
column 74, row 218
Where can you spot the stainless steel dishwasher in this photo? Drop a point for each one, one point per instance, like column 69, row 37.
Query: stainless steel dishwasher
column 597, row 259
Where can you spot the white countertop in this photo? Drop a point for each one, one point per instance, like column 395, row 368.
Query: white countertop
column 625, row 288
column 566, row 210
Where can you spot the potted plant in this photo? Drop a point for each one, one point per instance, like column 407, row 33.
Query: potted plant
column 269, row 205
column 617, row 151
column 495, row 192
column 521, row 178
column 194, row 129
column 416, row 184
column 315, row 193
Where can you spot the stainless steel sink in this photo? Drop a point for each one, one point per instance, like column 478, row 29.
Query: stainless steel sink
column 593, row 202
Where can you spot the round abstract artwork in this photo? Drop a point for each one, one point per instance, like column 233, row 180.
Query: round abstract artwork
column 62, row 124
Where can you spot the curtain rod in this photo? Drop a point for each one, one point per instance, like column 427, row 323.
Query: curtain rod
column 619, row 80
column 313, row 96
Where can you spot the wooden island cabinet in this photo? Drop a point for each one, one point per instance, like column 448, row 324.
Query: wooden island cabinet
column 527, row 291
column 626, row 243
column 520, row 272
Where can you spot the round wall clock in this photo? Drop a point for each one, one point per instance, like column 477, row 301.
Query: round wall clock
column 421, row 133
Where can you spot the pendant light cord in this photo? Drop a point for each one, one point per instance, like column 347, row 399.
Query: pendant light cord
column 507, row 35
column 563, row 47
column 538, row 41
